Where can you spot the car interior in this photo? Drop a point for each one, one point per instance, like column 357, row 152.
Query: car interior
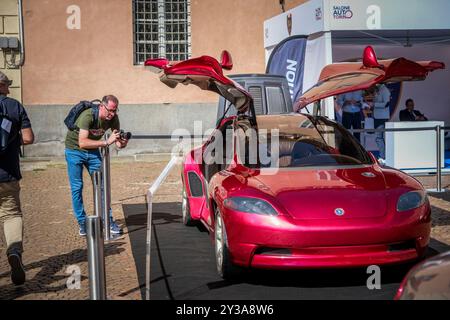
column 219, row 152
column 300, row 142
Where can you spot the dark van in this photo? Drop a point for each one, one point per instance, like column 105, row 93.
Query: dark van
column 270, row 94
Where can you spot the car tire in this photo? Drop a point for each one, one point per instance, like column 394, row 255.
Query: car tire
column 185, row 210
column 225, row 268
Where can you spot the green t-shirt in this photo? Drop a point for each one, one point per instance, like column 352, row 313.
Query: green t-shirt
column 85, row 121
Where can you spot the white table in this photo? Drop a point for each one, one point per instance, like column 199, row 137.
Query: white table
column 413, row 149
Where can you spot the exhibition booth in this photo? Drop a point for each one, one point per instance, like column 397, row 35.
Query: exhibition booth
column 300, row 42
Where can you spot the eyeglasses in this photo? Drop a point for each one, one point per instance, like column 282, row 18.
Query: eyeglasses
column 111, row 111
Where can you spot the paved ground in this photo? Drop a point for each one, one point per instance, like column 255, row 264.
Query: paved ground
column 52, row 243
column 52, row 246
column 183, row 264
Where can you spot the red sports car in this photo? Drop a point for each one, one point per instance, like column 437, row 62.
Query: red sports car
column 298, row 191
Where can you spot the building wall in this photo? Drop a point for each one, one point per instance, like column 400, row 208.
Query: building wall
column 9, row 27
column 64, row 66
column 140, row 119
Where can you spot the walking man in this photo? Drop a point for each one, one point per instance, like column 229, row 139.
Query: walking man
column 15, row 130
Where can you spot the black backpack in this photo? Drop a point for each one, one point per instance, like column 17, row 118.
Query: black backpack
column 6, row 138
column 76, row 110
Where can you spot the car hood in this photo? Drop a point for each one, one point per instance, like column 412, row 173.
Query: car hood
column 206, row 73
column 317, row 194
column 339, row 78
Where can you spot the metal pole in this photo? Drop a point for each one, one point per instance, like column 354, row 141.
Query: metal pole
column 96, row 258
column 106, row 170
column 438, row 189
column 97, row 189
column 438, row 160
column 21, row 36
column 149, row 245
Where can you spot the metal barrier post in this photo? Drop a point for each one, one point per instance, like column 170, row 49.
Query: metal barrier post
column 151, row 191
column 149, row 244
column 96, row 258
column 106, row 171
column 95, row 245
column 438, row 161
column 97, row 189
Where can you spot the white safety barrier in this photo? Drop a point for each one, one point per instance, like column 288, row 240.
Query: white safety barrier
column 150, row 193
column 438, row 130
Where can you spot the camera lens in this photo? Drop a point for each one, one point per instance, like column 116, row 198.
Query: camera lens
column 125, row 135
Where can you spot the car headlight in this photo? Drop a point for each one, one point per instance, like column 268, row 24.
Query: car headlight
column 411, row 200
column 250, row 205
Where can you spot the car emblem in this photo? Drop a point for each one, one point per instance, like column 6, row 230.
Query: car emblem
column 368, row 175
column 339, row 212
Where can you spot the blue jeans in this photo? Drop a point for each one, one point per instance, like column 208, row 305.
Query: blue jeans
column 76, row 160
column 352, row 119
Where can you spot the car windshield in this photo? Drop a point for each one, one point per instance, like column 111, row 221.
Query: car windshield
column 299, row 141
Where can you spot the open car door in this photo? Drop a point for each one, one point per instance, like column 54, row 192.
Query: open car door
column 339, row 78
column 206, row 73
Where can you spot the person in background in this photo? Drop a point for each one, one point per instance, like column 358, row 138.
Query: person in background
column 409, row 114
column 381, row 114
column 337, row 110
column 351, row 103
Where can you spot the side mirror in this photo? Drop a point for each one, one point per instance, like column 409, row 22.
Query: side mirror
column 225, row 60
column 370, row 58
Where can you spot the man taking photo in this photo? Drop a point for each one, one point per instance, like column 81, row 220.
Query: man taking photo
column 15, row 130
column 82, row 150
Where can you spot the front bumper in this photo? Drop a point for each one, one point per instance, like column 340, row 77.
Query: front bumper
column 284, row 243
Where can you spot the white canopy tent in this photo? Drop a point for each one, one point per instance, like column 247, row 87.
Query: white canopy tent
column 339, row 30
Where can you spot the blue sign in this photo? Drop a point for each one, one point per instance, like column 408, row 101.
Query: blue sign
column 287, row 59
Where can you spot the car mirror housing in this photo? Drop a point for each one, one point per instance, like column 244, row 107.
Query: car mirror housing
column 226, row 62
column 370, row 58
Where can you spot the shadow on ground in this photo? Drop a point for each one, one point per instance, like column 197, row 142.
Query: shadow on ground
column 443, row 196
column 46, row 280
column 439, row 217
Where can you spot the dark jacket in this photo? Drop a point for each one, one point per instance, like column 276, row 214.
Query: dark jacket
column 405, row 115
column 9, row 160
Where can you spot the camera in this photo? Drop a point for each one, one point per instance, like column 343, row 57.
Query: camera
column 124, row 135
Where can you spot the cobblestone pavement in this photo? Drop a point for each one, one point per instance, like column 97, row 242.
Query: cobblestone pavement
column 53, row 247
column 440, row 213
column 51, row 241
